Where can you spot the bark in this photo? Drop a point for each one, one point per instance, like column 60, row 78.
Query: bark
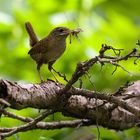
column 78, row 103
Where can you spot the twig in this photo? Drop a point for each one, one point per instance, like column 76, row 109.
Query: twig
column 122, row 88
column 81, row 83
column 114, row 70
column 53, row 125
column 28, row 125
column 4, row 102
column 14, row 116
column 83, row 67
column 60, row 74
column 118, row 65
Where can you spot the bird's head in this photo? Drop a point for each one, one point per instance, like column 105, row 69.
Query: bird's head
column 60, row 32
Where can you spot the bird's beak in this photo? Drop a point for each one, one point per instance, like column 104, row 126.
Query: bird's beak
column 72, row 32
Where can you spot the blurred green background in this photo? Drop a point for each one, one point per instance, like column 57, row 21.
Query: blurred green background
column 114, row 22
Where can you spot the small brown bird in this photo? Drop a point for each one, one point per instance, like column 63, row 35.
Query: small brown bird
column 48, row 49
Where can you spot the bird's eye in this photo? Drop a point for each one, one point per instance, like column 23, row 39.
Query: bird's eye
column 61, row 30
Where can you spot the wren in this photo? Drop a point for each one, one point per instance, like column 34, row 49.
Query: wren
column 48, row 49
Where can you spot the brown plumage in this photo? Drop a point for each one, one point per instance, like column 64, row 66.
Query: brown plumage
column 48, row 49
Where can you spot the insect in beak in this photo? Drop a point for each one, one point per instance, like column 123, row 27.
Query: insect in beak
column 75, row 33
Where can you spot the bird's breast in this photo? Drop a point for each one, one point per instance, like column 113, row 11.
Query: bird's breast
column 55, row 51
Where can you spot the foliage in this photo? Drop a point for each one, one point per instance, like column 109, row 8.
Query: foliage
column 115, row 23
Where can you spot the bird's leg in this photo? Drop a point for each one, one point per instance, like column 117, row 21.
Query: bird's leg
column 51, row 68
column 38, row 69
column 54, row 76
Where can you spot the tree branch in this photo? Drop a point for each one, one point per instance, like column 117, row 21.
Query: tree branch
column 117, row 111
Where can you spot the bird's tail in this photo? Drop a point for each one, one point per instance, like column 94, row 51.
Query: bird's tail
column 31, row 33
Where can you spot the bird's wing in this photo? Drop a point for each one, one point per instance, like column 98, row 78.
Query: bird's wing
column 40, row 47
